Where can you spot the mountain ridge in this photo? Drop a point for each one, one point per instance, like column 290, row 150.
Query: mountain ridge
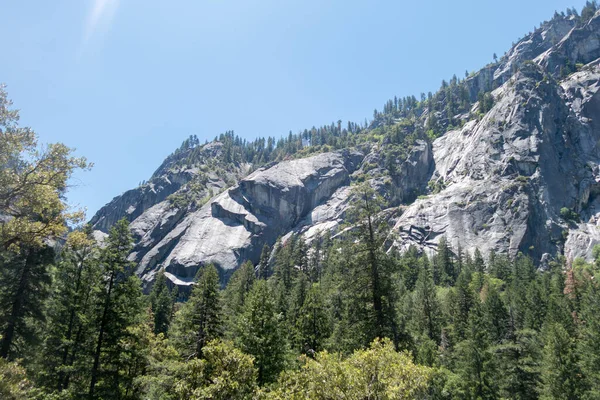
column 485, row 162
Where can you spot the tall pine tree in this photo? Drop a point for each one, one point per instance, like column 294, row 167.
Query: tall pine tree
column 200, row 320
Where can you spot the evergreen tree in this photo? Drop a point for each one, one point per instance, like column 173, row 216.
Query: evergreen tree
column 120, row 306
column 200, row 319
column 464, row 301
column 70, row 311
column 537, row 299
column 426, row 307
column 558, row 308
column 297, row 298
column 561, row 376
column 499, row 266
column 285, row 262
column 259, row 333
column 495, row 315
column 162, row 302
column 315, row 262
column 409, row 266
column 518, row 360
column 478, row 263
column 474, row 364
column 369, row 283
column 588, row 346
column 235, row 294
column 443, row 264
column 24, row 281
column 263, row 265
column 312, row 323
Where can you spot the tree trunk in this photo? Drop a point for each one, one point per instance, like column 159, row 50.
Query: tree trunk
column 377, row 303
column 94, row 373
column 71, row 326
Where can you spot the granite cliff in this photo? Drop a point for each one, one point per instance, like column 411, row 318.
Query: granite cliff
column 514, row 168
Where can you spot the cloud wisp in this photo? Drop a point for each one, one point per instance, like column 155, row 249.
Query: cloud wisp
column 99, row 18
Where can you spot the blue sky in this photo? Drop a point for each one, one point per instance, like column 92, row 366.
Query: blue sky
column 125, row 81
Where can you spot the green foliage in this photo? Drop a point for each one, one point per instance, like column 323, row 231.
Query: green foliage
column 162, row 303
column 224, row 373
column 33, row 182
column 522, row 179
column 490, row 330
column 200, row 320
column 518, row 363
column 560, row 372
column 24, row 279
column 312, row 323
column 588, row 11
column 474, row 361
column 436, row 186
column 376, row 373
column 588, row 345
column 444, row 272
column 260, row 333
column 426, row 307
column 486, row 102
column 120, row 307
column 14, row 384
column 71, row 311
column 569, row 215
column 234, row 295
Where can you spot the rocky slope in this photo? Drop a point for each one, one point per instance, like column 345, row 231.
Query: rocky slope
column 523, row 175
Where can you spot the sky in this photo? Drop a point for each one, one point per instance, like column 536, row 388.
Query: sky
column 124, row 82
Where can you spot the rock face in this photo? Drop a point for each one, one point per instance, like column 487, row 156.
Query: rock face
column 504, row 176
column 235, row 225
column 501, row 182
column 508, row 176
column 168, row 179
column 580, row 46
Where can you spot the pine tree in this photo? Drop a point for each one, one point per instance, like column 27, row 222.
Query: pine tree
column 558, row 308
column 368, row 280
column 464, row 301
column 235, row 294
column 162, row 303
column 561, row 375
column 588, row 345
column 537, row 300
column 312, row 323
column 478, row 263
column 297, row 298
column 426, row 307
column 24, row 282
column 315, row 263
column 263, row 265
column 495, row 315
column 200, row 320
column 409, row 266
column 284, row 267
column 120, row 306
column 443, row 264
column 474, row 364
column 499, row 266
column 70, row 311
column 518, row 360
column 259, row 333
